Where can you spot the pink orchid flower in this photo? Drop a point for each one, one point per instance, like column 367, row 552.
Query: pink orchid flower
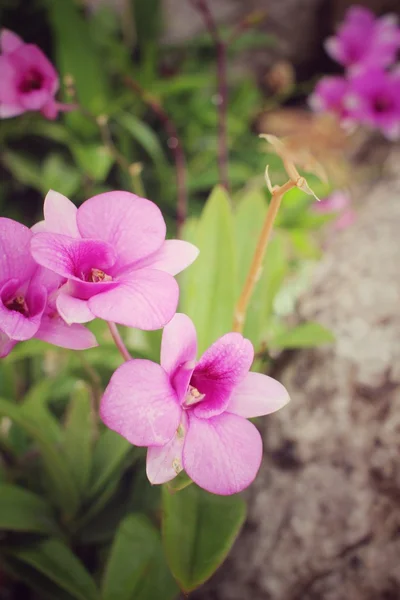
column 113, row 253
column 27, row 296
column 194, row 416
column 373, row 98
column 28, row 79
column 364, row 40
column 329, row 96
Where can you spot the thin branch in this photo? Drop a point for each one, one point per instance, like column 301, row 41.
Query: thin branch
column 258, row 258
column 221, row 47
column 119, row 342
column 175, row 145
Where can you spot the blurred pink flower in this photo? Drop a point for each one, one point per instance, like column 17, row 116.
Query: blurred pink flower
column 338, row 202
column 362, row 39
column 373, row 98
column 27, row 296
column 113, row 254
column 194, row 416
column 28, row 79
column 329, row 95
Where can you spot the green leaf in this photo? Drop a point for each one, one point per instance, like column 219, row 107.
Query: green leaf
column 21, row 510
column 77, row 55
column 62, row 486
column 199, row 530
column 110, row 453
column 23, row 169
column 79, row 436
column 145, row 137
column 209, row 285
column 58, row 174
column 305, row 335
column 94, row 159
column 136, row 567
column 55, row 560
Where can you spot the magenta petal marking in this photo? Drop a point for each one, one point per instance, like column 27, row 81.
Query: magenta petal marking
column 21, row 311
column 219, row 370
column 132, row 225
column 165, row 462
column 72, row 258
column 140, row 404
column 222, row 454
column 257, row 395
column 146, row 299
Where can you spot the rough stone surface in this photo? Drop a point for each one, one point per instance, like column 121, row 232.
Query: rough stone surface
column 324, row 512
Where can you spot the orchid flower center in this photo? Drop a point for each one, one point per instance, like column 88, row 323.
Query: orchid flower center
column 97, row 275
column 193, row 396
column 18, row 304
column 32, row 81
column 382, row 104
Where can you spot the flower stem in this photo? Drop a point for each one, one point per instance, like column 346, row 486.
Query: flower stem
column 175, row 145
column 116, row 336
column 222, row 88
column 256, row 264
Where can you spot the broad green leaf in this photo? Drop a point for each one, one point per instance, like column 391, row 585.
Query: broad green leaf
column 199, row 530
column 209, row 286
column 28, row 349
column 110, row 453
column 305, row 335
column 94, row 159
column 44, row 587
column 304, row 244
column 21, row 510
column 77, row 55
column 55, row 560
column 62, row 486
column 136, row 568
column 79, row 435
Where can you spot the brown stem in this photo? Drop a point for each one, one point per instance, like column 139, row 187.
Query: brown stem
column 222, row 89
column 256, row 264
column 119, row 342
column 175, row 145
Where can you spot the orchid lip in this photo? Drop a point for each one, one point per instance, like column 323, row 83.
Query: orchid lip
column 193, row 396
column 18, row 304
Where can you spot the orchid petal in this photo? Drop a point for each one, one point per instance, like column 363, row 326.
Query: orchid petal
column 222, row 454
column 257, row 395
column 6, row 345
column 73, row 310
column 71, row 257
column 60, row 215
column 146, row 299
column 140, row 404
column 165, row 462
column 15, row 258
column 132, row 225
column 55, row 330
column 173, row 257
column 9, row 41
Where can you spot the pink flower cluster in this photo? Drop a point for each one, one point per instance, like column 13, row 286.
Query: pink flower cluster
column 369, row 92
column 109, row 259
column 29, row 82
